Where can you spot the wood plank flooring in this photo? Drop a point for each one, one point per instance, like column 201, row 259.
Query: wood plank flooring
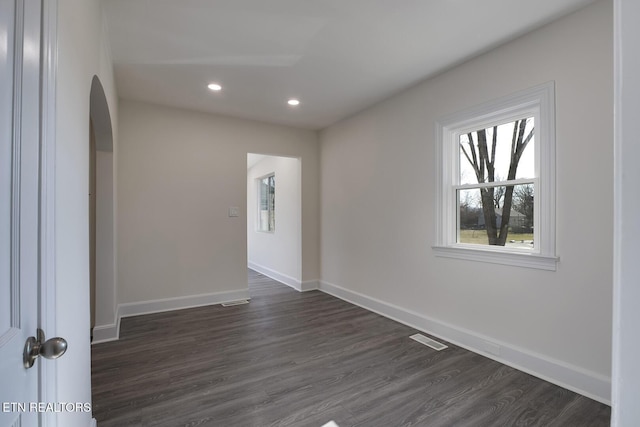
column 304, row 359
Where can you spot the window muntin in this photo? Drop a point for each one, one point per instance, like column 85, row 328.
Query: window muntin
column 267, row 203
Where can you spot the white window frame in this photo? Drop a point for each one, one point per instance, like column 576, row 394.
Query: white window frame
column 259, row 204
column 537, row 102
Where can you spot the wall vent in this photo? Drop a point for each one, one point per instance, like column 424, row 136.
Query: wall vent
column 428, row 342
column 232, row 303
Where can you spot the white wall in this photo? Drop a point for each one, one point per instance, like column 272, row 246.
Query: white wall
column 81, row 55
column 178, row 174
column 105, row 267
column 378, row 210
column 626, row 346
column 277, row 253
column 106, row 292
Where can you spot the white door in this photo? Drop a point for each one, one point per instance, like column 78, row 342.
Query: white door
column 20, row 29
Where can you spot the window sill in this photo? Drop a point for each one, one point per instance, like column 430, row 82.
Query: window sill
column 517, row 259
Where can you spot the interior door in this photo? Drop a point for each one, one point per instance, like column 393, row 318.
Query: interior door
column 20, row 27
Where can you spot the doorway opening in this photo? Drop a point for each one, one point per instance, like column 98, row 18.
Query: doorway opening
column 274, row 217
column 101, row 209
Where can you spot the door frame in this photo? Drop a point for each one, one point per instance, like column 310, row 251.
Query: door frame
column 297, row 282
column 47, row 286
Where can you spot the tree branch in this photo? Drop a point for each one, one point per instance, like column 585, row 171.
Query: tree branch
column 477, row 166
column 464, row 151
column 493, row 145
column 526, row 141
column 484, row 155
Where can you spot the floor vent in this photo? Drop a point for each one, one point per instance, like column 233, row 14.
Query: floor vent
column 232, row 303
column 428, row 342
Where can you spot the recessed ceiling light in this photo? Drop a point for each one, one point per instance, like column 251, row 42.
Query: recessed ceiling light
column 214, row 87
column 293, row 102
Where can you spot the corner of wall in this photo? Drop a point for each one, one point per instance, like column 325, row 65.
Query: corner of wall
column 106, row 333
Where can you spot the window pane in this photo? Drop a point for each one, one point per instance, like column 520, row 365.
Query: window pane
column 481, row 216
column 272, row 203
column 266, row 219
column 264, row 194
column 483, row 159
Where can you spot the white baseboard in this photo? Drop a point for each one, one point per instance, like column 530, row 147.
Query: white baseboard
column 111, row 332
column 310, row 285
column 105, row 333
column 179, row 303
column 275, row 275
column 307, row 285
column 587, row 383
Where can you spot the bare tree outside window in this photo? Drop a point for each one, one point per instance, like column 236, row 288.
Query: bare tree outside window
column 502, row 205
column 496, row 181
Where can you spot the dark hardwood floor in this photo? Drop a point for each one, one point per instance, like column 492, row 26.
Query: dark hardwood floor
column 303, row 359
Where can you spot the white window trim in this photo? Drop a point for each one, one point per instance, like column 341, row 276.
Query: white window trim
column 539, row 102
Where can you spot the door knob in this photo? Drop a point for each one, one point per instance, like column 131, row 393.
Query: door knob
column 49, row 349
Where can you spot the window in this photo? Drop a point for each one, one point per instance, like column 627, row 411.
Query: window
column 267, row 203
column 497, row 181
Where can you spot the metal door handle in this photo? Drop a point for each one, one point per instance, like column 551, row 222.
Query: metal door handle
column 50, row 349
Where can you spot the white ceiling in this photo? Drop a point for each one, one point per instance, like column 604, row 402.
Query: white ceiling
column 337, row 56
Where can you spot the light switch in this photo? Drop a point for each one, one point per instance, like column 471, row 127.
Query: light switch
column 234, row 211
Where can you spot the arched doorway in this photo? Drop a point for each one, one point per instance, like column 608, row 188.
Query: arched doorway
column 101, row 208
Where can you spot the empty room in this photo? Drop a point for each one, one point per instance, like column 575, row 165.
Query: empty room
column 322, row 213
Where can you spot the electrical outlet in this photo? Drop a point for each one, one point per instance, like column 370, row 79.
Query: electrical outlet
column 234, row 211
